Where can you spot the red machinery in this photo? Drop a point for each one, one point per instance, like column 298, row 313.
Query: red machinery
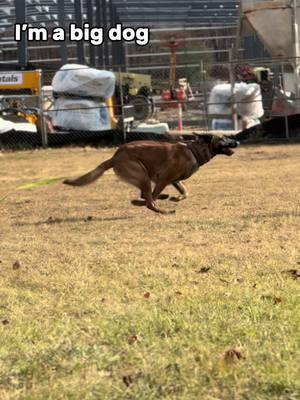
column 173, row 41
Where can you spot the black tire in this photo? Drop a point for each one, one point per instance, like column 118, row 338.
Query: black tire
column 143, row 107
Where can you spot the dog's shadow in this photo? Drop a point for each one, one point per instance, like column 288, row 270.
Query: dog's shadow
column 54, row 221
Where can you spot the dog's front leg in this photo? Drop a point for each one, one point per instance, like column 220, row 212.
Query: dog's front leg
column 179, row 186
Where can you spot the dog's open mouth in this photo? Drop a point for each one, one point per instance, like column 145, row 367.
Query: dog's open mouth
column 228, row 151
column 229, row 145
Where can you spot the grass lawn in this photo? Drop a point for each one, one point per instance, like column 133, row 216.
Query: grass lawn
column 103, row 300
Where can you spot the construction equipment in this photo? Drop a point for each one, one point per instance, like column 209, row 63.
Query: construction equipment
column 173, row 41
column 19, row 95
column 135, row 90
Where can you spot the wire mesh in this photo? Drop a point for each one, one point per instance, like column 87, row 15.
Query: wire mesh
column 144, row 106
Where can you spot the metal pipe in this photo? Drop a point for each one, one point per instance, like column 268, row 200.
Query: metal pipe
column 295, row 33
column 105, row 27
column 233, row 100
column 113, row 45
column 78, row 20
column 43, row 126
column 22, row 44
column 99, row 49
column 90, row 18
column 62, row 24
column 205, row 95
column 286, row 121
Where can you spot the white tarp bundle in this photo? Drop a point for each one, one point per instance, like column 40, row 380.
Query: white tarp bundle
column 7, row 126
column 83, row 81
column 247, row 96
column 80, row 114
column 249, row 100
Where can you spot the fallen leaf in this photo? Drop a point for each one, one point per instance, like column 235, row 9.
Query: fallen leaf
column 147, row 295
column 178, row 293
column 276, row 300
column 174, row 367
column 203, row 270
column 16, row 265
column 132, row 339
column 130, row 378
column 127, row 379
column 295, row 273
column 232, row 355
column 224, row 280
column 237, row 281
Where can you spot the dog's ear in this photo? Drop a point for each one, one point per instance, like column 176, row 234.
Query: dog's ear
column 204, row 137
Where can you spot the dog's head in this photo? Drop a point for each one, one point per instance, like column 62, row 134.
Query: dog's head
column 219, row 144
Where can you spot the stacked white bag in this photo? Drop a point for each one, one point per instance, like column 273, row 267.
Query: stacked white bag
column 79, row 92
column 249, row 100
column 247, row 96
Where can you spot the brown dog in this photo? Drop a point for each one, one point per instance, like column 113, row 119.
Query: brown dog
column 143, row 162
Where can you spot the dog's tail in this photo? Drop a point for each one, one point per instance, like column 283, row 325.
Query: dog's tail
column 90, row 176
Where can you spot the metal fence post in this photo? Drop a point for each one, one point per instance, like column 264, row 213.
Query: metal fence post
column 205, row 97
column 99, row 49
column 90, row 17
column 286, row 121
column 20, row 8
column 105, row 26
column 42, row 124
column 233, row 100
column 122, row 107
column 78, row 19
column 62, row 24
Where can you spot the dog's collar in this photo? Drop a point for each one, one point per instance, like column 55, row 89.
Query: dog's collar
column 193, row 147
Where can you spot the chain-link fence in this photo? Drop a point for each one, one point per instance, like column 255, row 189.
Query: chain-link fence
column 80, row 106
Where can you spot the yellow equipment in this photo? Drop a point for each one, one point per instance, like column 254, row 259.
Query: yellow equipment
column 134, row 84
column 16, row 90
column 20, row 82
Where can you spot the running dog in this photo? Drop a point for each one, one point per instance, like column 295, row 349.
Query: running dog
column 142, row 163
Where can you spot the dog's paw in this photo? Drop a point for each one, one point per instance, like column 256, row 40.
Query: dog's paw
column 163, row 196
column 177, row 198
column 138, row 203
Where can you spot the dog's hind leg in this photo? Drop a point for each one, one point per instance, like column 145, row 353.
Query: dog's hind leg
column 135, row 173
column 159, row 187
column 181, row 189
column 150, row 201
